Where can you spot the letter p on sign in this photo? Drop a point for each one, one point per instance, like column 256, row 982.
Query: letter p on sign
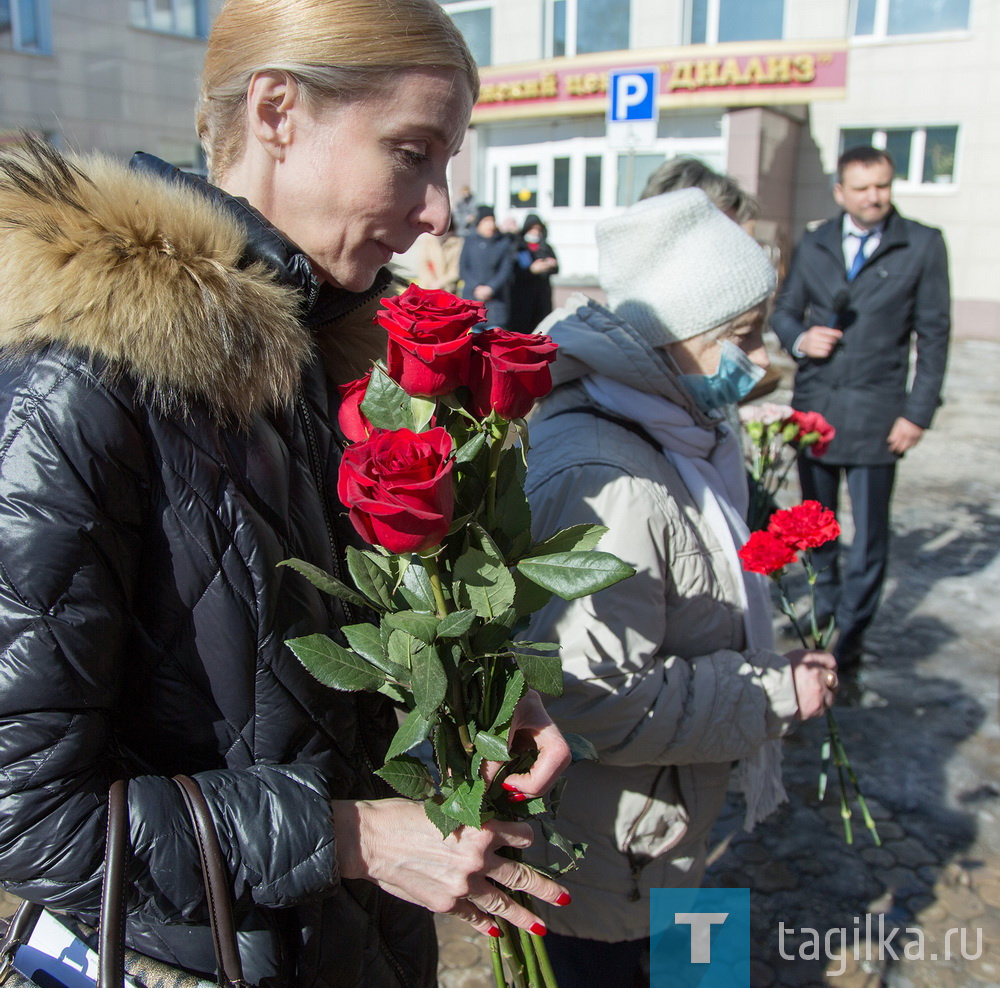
column 633, row 95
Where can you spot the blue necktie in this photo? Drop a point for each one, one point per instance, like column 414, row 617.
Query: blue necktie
column 859, row 257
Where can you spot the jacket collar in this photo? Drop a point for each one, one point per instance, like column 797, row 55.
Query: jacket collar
column 830, row 236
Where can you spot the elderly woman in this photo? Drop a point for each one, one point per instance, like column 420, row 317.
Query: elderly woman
column 168, row 438
column 672, row 674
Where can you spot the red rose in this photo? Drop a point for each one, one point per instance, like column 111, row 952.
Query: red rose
column 765, row 553
column 398, row 488
column 429, row 342
column 350, row 418
column 814, row 431
column 805, row 526
column 508, row 371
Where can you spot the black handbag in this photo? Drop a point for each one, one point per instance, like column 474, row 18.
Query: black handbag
column 115, row 961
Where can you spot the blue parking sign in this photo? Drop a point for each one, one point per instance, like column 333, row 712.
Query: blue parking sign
column 632, row 94
column 699, row 938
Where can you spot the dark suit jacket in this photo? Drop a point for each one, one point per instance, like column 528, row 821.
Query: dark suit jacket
column 901, row 293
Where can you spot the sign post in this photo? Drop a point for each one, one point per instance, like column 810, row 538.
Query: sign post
column 633, row 113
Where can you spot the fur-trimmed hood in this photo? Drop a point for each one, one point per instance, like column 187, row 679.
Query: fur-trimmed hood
column 151, row 277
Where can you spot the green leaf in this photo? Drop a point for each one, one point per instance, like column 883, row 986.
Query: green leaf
column 486, row 587
column 513, row 691
column 538, row 646
column 402, row 648
column 370, row 577
column 429, row 682
column 528, row 595
column 422, row 410
column 542, row 673
column 411, row 732
column 334, row 665
column 575, row 574
column 408, row 776
column 492, row 747
column 422, row 626
column 494, row 636
column 366, row 640
column 324, row 581
column 556, row 795
column 395, row 694
column 513, row 515
column 467, row 452
column 456, row 624
column 386, row 404
column 416, row 587
column 580, row 749
column 572, row 851
column 464, row 803
column 444, row 823
column 574, row 539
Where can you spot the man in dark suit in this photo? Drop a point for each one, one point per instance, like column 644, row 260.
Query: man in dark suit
column 861, row 288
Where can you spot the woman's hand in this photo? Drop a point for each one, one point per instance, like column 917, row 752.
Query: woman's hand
column 532, row 727
column 392, row 843
column 815, row 677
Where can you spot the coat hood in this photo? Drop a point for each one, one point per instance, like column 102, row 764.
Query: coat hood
column 149, row 277
column 593, row 340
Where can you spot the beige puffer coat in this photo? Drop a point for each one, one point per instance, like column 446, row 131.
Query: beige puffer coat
column 656, row 671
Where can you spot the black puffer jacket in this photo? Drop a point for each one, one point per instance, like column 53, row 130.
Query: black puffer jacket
column 169, row 438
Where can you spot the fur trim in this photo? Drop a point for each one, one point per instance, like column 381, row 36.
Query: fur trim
column 122, row 266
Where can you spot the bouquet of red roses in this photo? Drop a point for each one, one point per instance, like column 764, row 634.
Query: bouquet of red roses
column 773, row 430
column 801, row 529
column 433, row 485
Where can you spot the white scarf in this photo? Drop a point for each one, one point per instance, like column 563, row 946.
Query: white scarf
column 713, row 472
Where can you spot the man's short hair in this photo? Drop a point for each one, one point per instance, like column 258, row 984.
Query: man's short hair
column 686, row 173
column 865, row 155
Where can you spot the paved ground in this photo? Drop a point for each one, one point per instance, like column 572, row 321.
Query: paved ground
column 923, row 733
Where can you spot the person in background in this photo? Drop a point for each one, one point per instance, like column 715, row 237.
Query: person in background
column 672, row 675
column 534, row 264
column 862, row 289
column 437, row 260
column 169, row 439
column 463, row 212
column 487, row 266
column 689, row 173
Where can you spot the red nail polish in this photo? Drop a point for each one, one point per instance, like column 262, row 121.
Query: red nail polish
column 564, row 899
column 517, row 797
column 539, row 930
column 509, row 786
column 495, row 931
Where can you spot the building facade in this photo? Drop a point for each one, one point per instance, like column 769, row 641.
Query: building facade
column 111, row 75
column 770, row 91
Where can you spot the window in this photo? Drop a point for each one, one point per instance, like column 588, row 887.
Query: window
column 592, row 180
column 185, row 17
column 879, row 18
column 24, row 26
column 579, row 27
column 474, row 18
column 524, row 186
column 560, row 181
column 923, row 155
column 633, row 175
column 714, row 21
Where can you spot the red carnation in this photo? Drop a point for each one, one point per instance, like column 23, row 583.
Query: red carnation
column 429, row 341
column 508, row 371
column 352, row 421
column 814, row 431
column 766, row 554
column 805, row 526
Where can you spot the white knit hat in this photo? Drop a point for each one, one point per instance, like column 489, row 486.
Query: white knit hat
column 673, row 266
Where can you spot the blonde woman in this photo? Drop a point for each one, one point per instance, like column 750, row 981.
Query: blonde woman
column 167, row 439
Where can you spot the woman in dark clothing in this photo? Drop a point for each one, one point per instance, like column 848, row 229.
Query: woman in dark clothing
column 534, row 264
column 486, row 267
column 168, row 438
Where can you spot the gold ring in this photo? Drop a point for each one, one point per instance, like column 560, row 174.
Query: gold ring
column 831, row 679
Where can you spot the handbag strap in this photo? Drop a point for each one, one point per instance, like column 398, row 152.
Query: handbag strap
column 215, row 876
column 111, row 950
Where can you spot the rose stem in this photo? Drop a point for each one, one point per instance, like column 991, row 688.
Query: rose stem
column 530, row 961
column 537, row 945
column 496, row 450
column 457, row 698
column 497, row 961
column 508, row 948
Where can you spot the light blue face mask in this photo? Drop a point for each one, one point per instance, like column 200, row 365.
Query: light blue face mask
column 733, row 381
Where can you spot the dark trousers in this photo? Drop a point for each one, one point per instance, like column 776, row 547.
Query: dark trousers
column 579, row 963
column 853, row 597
